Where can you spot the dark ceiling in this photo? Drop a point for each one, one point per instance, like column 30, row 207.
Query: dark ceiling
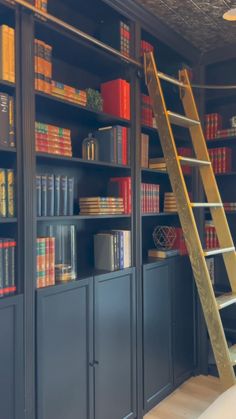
column 198, row 21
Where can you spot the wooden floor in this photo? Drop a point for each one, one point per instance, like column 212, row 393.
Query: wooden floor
column 189, row 400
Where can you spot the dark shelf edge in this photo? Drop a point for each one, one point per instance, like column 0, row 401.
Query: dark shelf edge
column 7, row 149
column 8, row 220
column 160, row 214
column 82, row 217
column 103, row 115
column 79, row 160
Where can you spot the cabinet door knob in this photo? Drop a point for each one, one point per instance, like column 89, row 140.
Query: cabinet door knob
column 91, row 364
column 96, row 363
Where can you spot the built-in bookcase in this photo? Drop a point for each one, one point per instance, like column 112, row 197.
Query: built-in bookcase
column 97, row 301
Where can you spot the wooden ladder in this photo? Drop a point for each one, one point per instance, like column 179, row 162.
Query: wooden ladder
column 225, row 357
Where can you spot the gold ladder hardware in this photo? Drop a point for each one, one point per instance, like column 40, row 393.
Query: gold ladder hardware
column 206, row 205
column 226, row 300
column 181, row 120
column 225, row 357
column 193, row 162
column 215, row 252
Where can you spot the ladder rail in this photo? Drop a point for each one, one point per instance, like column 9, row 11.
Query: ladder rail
column 188, row 223
column 209, row 180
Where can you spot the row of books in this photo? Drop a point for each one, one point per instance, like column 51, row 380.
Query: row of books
column 150, row 198
column 55, row 195
column 53, row 140
column 144, row 151
column 179, row 242
column 117, row 34
column 146, row 47
column 69, row 93
column 114, row 144
column 45, row 259
column 7, row 53
column 56, row 255
column 221, row 159
column 112, row 250
column 116, row 98
column 213, row 123
column 7, row 120
column 43, row 66
column 7, row 193
column 7, row 266
column 146, row 111
column 97, row 205
column 211, row 238
column 158, row 163
column 230, row 206
column 226, row 133
column 120, row 187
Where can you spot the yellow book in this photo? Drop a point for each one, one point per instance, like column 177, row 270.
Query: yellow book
column 11, row 35
column 4, row 53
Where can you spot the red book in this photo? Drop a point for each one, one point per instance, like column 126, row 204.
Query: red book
column 116, row 98
column 124, row 145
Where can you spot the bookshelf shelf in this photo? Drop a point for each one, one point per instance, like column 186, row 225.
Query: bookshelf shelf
column 8, row 220
column 221, row 142
column 89, row 49
column 160, row 214
column 7, row 85
column 11, row 150
column 225, row 174
column 81, row 217
column 63, row 106
column 43, row 157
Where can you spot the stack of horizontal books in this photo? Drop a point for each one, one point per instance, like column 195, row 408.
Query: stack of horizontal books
column 158, row 164
column 98, row 205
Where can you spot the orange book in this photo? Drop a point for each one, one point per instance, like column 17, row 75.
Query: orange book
column 4, row 53
column 11, row 39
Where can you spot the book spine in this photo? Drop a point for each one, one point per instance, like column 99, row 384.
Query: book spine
column 12, row 140
column 1, row 269
column 121, row 235
column 10, row 192
column 11, row 35
column 44, row 195
column 57, row 198
column 115, row 251
column 3, row 198
column 50, row 195
column 38, row 195
column 119, row 144
column 71, row 182
column 6, row 266
column 4, row 119
column 12, row 285
column 5, row 47
column 63, row 195
column 47, row 262
column 41, row 263
column 51, row 260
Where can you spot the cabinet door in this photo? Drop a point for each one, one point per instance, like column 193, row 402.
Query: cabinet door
column 11, row 358
column 156, row 332
column 64, row 341
column 183, row 320
column 115, row 345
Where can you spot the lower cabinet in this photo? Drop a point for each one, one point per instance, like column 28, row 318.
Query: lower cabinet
column 157, row 340
column 11, row 358
column 168, row 327
column 64, row 351
column 86, row 348
column 115, row 346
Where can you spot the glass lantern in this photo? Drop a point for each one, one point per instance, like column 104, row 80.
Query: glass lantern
column 90, row 148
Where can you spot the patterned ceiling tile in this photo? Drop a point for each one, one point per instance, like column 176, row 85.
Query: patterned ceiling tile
column 198, row 21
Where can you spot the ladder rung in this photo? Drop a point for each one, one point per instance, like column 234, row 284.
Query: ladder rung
column 181, row 120
column 218, row 251
column 226, row 300
column 232, row 353
column 171, row 79
column 193, row 162
column 206, row 205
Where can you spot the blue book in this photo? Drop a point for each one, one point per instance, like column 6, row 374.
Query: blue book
column 105, row 137
column 119, row 143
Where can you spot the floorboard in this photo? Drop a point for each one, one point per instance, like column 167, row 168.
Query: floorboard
column 189, row 400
